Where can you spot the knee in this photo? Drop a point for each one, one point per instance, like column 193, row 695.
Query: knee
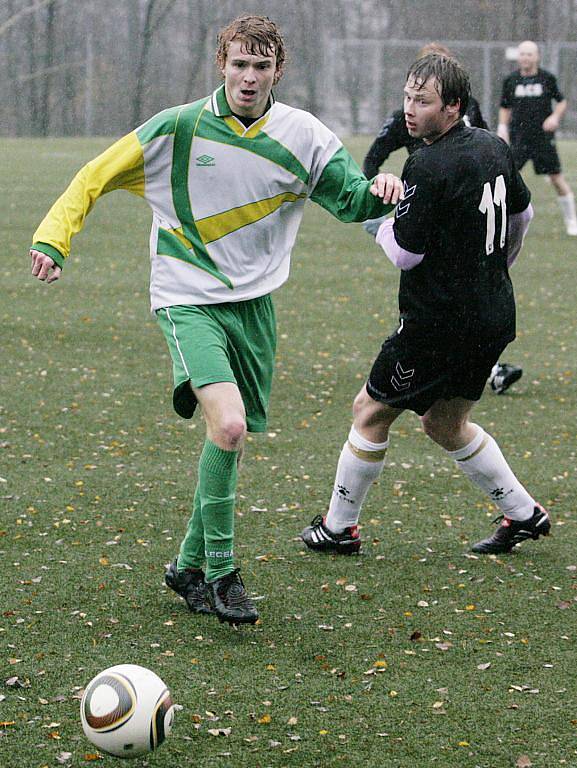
column 362, row 406
column 230, row 432
column 442, row 431
column 439, row 431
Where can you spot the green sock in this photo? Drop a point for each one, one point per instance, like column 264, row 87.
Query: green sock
column 191, row 553
column 217, row 485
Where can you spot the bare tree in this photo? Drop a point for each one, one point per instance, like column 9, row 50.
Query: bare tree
column 152, row 20
column 49, row 58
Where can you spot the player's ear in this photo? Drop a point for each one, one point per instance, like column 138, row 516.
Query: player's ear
column 455, row 108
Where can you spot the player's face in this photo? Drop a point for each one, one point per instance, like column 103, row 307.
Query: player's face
column 426, row 116
column 528, row 58
column 248, row 79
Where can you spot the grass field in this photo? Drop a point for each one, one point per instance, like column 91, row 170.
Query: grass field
column 415, row 654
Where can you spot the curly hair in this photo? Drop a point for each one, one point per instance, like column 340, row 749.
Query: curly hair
column 259, row 35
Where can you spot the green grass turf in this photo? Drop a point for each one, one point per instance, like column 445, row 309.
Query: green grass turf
column 97, row 477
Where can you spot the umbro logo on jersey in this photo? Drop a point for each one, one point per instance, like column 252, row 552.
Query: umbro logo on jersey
column 402, row 205
column 205, row 161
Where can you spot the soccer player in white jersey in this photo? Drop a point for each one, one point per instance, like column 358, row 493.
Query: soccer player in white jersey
column 226, row 178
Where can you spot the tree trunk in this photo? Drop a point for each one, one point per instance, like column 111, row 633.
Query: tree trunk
column 49, row 59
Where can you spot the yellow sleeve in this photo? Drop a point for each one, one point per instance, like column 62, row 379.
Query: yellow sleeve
column 121, row 166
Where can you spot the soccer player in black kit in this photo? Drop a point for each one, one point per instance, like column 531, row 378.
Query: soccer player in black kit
column 395, row 135
column 528, row 120
column 459, row 227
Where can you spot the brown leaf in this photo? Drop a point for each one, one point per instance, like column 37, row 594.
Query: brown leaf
column 523, row 762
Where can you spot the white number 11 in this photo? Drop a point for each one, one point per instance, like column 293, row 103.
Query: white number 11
column 487, row 205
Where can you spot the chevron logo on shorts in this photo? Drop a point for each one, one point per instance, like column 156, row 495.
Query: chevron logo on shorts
column 205, row 161
column 401, row 378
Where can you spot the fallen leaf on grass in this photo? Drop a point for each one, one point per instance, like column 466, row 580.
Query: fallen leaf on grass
column 63, row 757
column 15, row 682
column 219, row 731
column 523, row 762
column 482, row 667
column 264, row 720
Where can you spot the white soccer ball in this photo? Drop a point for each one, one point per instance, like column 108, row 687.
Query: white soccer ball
column 126, row 710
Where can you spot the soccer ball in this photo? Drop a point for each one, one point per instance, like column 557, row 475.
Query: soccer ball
column 126, row 710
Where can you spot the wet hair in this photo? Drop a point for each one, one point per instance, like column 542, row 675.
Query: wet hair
column 451, row 79
column 259, row 36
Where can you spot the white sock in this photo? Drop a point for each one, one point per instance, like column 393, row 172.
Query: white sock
column 567, row 205
column 484, row 464
column 360, row 463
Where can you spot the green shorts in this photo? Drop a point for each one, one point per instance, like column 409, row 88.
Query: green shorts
column 211, row 343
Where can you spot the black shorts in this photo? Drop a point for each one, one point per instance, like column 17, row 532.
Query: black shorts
column 540, row 149
column 409, row 374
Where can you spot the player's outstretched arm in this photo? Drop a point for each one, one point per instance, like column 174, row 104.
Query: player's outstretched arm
column 43, row 267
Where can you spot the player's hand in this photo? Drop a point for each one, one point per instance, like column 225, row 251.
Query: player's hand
column 43, row 267
column 388, row 187
column 551, row 124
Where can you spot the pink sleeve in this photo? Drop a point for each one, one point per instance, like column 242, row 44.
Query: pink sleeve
column 398, row 256
column 518, row 226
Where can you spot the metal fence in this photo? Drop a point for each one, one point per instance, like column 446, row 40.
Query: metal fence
column 363, row 79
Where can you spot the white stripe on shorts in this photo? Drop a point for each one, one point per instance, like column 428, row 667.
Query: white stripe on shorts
column 177, row 343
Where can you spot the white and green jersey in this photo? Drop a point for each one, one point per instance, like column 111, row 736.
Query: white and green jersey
column 227, row 200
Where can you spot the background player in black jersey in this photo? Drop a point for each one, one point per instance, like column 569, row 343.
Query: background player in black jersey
column 528, row 120
column 395, row 135
column 459, row 227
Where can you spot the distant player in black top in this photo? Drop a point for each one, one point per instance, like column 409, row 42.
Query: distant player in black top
column 455, row 233
column 395, row 135
column 528, row 120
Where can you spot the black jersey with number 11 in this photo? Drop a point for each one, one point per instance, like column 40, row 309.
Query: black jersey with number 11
column 459, row 192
